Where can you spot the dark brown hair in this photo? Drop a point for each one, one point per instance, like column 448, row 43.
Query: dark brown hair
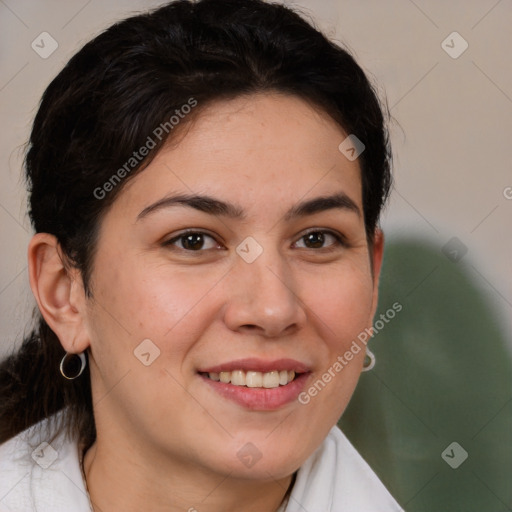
column 107, row 101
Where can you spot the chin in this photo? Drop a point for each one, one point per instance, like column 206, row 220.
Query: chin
column 262, row 460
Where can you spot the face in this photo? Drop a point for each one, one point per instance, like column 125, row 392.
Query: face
column 255, row 277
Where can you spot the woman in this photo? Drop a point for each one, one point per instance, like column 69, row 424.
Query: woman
column 205, row 186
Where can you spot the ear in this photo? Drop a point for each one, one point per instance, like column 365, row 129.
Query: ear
column 59, row 292
column 376, row 258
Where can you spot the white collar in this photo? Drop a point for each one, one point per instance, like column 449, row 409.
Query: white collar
column 334, row 479
column 337, row 479
column 47, row 477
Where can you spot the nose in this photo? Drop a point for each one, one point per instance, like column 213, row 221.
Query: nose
column 263, row 297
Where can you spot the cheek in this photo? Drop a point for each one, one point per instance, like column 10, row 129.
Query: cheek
column 135, row 302
column 341, row 307
column 342, row 301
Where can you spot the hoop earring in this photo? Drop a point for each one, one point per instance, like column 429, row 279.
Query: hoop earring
column 369, row 360
column 64, row 360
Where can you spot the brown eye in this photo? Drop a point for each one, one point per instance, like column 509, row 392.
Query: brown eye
column 318, row 239
column 193, row 241
column 314, row 240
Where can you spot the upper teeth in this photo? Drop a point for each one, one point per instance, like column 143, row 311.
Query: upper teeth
column 254, row 379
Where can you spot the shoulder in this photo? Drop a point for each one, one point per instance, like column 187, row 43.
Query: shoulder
column 337, row 478
column 40, row 469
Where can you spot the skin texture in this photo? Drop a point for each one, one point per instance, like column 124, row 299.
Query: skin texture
column 166, row 440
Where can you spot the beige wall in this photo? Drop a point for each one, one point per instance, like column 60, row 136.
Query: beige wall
column 452, row 134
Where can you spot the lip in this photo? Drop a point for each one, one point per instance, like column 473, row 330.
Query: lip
column 260, row 399
column 258, row 365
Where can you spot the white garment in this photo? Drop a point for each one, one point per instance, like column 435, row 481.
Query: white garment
column 337, row 479
column 49, row 479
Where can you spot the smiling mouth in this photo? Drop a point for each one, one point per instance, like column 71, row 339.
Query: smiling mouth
column 253, row 379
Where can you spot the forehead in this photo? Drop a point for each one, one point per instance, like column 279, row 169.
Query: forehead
column 264, row 149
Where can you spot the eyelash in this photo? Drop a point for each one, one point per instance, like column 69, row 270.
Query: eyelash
column 340, row 240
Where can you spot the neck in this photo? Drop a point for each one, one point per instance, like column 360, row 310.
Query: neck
column 117, row 480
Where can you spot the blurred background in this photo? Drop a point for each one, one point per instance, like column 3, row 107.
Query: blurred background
column 434, row 417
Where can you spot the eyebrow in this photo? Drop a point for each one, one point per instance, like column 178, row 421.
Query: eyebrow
column 213, row 206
